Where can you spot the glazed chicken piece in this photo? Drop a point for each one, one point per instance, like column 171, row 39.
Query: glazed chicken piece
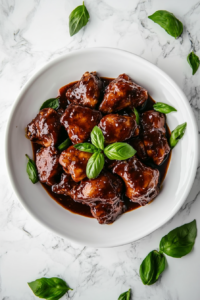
column 153, row 119
column 47, row 163
column 79, row 122
column 45, row 128
column 138, row 145
column 74, row 162
column 122, row 92
column 107, row 213
column 65, row 186
column 118, row 128
column 142, row 182
column 87, row 91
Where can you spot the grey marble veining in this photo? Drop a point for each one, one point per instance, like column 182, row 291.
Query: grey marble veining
column 35, row 32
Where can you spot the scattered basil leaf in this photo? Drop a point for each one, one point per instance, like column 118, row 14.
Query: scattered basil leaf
column 97, row 137
column 180, row 241
column 95, row 165
column 177, row 134
column 163, row 108
column 78, row 19
column 193, row 61
column 168, row 22
column 137, row 116
column 86, row 147
column 31, row 170
column 125, row 295
column 51, row 103
column 151, row 267
column 64, row 145
column 119, row 151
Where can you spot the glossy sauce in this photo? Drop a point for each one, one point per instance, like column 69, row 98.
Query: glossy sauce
column 84, row 210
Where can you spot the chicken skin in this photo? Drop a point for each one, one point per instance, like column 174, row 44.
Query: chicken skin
column 74, row 162
column 122, row 92
column 79, row 122
column 47, row 163
column 87, row 91
column 118, row 128
column 65, row 186
column 142, row 182
column 45, row 128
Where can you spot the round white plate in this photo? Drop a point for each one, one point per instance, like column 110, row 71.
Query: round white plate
column 130, row 226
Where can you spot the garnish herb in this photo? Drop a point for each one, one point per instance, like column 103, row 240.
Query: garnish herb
column 163, row 108
column 51, row 103
column 49, row 288
column 151, row 267
column 120, row 151
column 64, row 144
column 97, row 138
column 180, row 241
column 168, row 22
column 86, row 147
column 125, row 295
column 78, row 19
column 177, row 134
column 136, row 115
column 31, row 170
column 95, row 165
column 193, row 61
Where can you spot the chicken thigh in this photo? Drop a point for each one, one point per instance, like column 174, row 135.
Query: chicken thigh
column 65, row 186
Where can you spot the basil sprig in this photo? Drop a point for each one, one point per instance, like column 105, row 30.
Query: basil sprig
column 193, row 61
column 137, row 117
column 163, row 108
column 31, row 170
column 78, row 19
column 125, row 295
column 180, row 241
column 151, row 267
column 86, row 147
column 64, row 144
column 168, row 22
column 177, row 134
column 49, row 288
column 51, row 103
column 119, row 151
column 95, row 165
column 97, row 138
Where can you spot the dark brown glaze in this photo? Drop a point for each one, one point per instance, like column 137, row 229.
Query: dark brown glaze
column 45, row 128
column 47, row 164
column 142, row 182
column 138, row 145
column 122, row 92
column 153, row 119
column 74, row 162
column 87, row 91
column 118, row 128
column 79, row 122
column 63, row 101
column 65, row 186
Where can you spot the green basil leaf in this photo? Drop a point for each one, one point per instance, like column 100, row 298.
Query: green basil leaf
column 78, row 19
column 193, row 61
column 125, row 296
column 180, row 241
column 51, row 103
column 64, row 145
column 31, row 170
column 95, row 165
column 119, row 151
column 137, row 116
column 49, row 288
column 86, row 147
column 151, row 267
column 97, row 138
column 168, row 22
column 163, row 108
column 177, row 134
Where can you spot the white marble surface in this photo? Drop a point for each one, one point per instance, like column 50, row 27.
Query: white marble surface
column 35, row 32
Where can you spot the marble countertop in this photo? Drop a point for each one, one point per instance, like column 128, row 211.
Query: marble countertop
column 34, row 32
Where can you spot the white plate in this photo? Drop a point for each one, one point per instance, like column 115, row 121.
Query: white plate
column 130, row 226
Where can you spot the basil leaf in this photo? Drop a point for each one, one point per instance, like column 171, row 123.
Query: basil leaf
column 177, row 134
column 180, row 241
column 31, row 170
column 78, row 19
column 163, row 108
column 86, row 147
column 97, row 137
column 51, row 103
column 193, row 61
column 119, row 151
column 64, row 144
column 125, row 296
column 49, row 288
column 95, row 165
column 136, row 115
column 151, row 267
column 168, row 22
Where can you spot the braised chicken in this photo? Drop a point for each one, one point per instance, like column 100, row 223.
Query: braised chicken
column 107, row 213
column 138, row 145
column 45, row 128
column 122, row 92
column 79, row 122
column 65, row 186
